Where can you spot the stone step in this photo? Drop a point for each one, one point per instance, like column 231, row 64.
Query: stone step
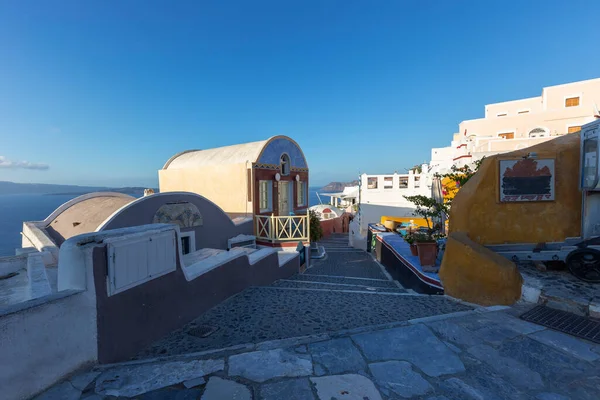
column 335, row 286
column 346, row 290
column 378, row 283
column 561, row 290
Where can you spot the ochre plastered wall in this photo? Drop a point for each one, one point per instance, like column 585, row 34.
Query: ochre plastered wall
column 477, row 211
column 226, row 185
column 473, row 273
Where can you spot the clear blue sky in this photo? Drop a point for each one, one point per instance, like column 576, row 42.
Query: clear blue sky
column 104, row 92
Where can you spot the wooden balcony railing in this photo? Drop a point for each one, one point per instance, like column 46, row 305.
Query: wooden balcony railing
column 287, row 228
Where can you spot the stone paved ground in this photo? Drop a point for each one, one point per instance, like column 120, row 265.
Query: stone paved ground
column 312, row 337
column 480, row 354
column 301, row 306
column 562, row 288
column 260, row 314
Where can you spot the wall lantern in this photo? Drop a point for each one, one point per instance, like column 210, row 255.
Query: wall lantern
column 277, row 177
column 297, row 178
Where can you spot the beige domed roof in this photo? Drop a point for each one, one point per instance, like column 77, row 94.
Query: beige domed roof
column 253, row 152
column 236, row 154
column 83, row 214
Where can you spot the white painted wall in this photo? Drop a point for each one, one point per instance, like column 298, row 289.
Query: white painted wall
column 41, row 345
column 393, row 195
column 520, row 117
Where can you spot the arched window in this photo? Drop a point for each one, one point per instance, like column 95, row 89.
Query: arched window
column 538, row 132
column 285, row 164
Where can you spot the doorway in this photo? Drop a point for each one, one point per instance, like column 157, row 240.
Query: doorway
column 284, row 198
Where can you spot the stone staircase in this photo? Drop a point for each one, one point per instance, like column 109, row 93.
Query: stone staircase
column 345, row 269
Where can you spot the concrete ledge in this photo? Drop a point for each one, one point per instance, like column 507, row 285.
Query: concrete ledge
column 36, row 302
column 473, row 273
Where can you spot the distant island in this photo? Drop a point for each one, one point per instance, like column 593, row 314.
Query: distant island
column 338, row 186
column 50, row 189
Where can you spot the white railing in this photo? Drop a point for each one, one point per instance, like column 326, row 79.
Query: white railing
column 286, row 228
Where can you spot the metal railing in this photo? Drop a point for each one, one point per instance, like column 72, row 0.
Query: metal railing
column 286, row 228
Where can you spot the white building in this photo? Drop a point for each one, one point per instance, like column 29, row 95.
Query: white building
column 345, row 199
column 517, row 124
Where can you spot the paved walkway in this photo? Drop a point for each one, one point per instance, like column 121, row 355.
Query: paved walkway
column 345, row 331
column 345, row 290
column 473, row 355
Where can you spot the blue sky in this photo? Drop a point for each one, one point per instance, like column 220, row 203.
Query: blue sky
column 104, row 92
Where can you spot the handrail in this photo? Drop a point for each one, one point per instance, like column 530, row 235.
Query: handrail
column 281, row 228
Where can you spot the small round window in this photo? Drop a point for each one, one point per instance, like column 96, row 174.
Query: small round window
column 285, row 164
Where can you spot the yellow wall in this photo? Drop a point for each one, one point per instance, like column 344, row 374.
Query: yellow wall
column 475, row 274
column 476, row 209
column 225, row 185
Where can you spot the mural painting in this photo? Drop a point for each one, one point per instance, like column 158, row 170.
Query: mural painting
column 183, row 214
column 527, row 180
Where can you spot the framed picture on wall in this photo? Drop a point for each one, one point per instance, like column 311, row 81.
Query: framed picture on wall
column 527, row 179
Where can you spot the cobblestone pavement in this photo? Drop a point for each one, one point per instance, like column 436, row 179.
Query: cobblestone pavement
column 269, row 313
column 353, row 265
column 479, row 354
column 300, row 306
column 342, row 260
column 298, row 340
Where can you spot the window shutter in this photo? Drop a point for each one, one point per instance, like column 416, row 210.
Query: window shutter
column 572, row 102
column 133, row 261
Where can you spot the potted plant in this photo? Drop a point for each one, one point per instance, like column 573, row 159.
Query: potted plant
column 431, row 211
column 316, row 231
column 409, row 238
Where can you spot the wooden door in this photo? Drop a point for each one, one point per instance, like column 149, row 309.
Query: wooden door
column 284, row 198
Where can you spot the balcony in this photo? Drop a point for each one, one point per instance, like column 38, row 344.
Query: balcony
column 281, row 229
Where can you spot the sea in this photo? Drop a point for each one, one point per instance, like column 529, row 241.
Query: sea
column 16, row 208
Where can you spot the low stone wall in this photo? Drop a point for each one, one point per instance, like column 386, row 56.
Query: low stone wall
column 131, row 320
column 330, row 226
column 473, row 273
column 43, row 344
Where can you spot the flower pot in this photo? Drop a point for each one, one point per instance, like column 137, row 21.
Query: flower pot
column 427, row 253
column 413, row 249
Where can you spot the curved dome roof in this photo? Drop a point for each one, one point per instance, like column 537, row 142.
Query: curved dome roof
column 236, row 154
column 83, row 214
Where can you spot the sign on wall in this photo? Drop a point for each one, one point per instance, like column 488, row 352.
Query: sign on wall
column 527, row 179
